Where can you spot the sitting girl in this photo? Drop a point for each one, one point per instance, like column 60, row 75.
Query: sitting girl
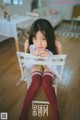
column 42, row 42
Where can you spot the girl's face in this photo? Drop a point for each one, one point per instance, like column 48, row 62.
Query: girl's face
column 40, row 41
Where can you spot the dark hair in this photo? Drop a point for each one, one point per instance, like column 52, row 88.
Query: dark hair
column 46, row 28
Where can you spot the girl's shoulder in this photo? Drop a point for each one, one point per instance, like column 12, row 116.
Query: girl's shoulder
column 59, row 46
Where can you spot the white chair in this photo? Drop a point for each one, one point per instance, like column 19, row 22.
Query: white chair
column 26, row 58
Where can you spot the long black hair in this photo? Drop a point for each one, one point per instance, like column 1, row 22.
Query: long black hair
column 46, row 28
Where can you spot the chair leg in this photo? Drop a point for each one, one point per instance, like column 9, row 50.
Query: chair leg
column 55, row 88
column 19, row 81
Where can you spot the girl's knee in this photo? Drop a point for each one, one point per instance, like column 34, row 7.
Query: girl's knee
column 47, row 81
column 36, row 83
column 36, row 79
column 45, row 84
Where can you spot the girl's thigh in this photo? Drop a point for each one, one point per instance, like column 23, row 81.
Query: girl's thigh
column 36, row 68
column 46, row 69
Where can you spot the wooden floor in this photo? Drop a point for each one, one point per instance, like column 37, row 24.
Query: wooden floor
column 68, row 96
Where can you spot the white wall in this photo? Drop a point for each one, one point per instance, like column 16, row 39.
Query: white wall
column 19, row 9
column 60, row 5
column 65, row 7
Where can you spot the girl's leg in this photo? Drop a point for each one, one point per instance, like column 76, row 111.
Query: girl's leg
column 32, row 91
column 50, row 93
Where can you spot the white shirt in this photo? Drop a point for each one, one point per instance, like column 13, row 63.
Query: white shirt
column 54, row 69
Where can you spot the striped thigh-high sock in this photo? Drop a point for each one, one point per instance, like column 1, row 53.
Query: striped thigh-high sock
column 31, row 93
column 50, row 93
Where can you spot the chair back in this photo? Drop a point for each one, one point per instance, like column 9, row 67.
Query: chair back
column 56, row 60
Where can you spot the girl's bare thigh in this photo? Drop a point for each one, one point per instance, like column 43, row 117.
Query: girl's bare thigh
column 46, row 69
column 36, row 68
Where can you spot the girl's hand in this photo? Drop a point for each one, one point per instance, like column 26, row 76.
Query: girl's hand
column 36, row 52
column 44, row 53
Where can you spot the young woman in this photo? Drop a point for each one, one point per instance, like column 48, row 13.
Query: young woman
column 42, row 42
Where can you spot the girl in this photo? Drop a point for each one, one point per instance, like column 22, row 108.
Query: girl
column 42, row 42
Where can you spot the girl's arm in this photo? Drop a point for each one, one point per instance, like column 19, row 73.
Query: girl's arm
column 59, row 47
column 26, row 46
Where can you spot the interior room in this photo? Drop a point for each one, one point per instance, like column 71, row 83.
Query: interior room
column 16, row 18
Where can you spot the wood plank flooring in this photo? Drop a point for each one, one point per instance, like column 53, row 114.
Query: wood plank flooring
column 68, row 96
